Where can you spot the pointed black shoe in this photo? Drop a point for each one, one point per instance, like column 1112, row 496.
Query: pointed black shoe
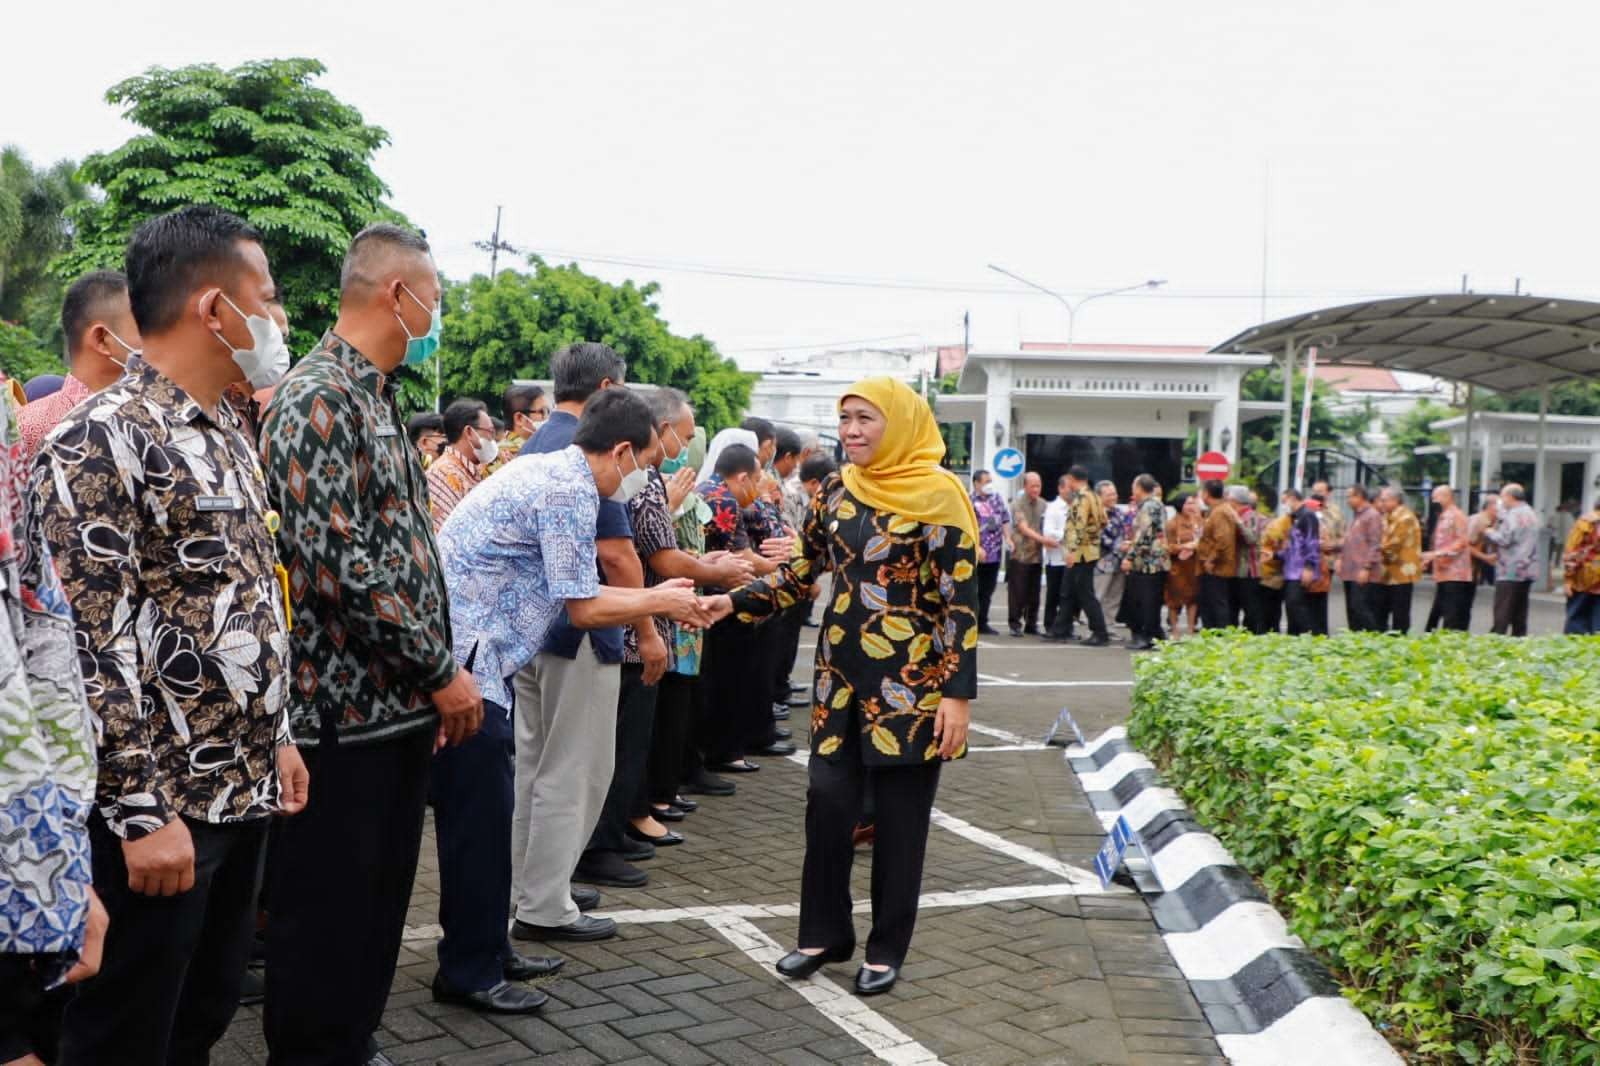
column 503, row 998
column 798, row 965
column 519, row 967
column 872, row 982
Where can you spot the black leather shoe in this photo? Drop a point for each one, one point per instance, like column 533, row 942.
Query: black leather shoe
column 610, row 869
column 798, row 965
column 527, row 967
column 988, row 630
column 742, row 766
column 781, row 733
column 780, row 712
column 872, row 982
column 585, row 899
column 503, row 998
column 777, row 749
column 667, row 814
column 378, row 1058
column 1015, row 631
column 637, row 851
column 707, row 784
column 1099, row 640
column 687, row 806
column 585, row 928
column 666, row 840
column 1140, row 645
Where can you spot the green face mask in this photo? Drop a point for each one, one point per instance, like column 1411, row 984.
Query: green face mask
column 672, row 466
column 418, row 349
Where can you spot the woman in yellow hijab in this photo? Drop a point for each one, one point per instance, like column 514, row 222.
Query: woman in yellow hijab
column 896, row 666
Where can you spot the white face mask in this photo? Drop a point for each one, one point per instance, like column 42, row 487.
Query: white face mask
column 633, row 482
column 123, row 363
column 486, row 451
column 266, row 361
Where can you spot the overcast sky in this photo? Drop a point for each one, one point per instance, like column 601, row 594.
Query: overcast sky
column 1085, row 146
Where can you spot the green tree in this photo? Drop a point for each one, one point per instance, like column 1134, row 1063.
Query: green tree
column 506, row 328
column 1566, row 398
column 33, row 230
column 1258, row 444
column 260, row 140
column 22, row 355
column 1413, row 430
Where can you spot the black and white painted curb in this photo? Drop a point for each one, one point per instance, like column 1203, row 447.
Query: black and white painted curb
column 1269, row 1001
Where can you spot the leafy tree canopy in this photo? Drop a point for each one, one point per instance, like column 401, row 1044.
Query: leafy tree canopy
column 22, row 355
column 260, row 140
column 34, row 229
column 1258, row 445
column 508, row 327
column 1413, row 430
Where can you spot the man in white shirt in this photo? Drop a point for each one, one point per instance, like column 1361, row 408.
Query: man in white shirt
column 1054, row 527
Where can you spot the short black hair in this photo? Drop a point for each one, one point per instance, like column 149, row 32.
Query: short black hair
column 518, row 399
column 612, row 417
column 85, row 301
column 979, row 475
column 1212, row 489
column 788, row 443
column 424, row 422
column 816, row 468
column 363, row 260
column 1078, row 473
column 763, row 429
column 459, row 415
column 578, row 370
column 171, row 254
column 1359, row 491
column 1287, row 493
column 1145, row 483
column 736, row 459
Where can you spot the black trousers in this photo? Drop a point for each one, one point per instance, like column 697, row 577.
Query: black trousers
column 1142, row 602
column 1394, row 611
column 30, row 1017
column 1511, row 607
column 785, row 629
column 664, row 769
column 341, row 883
column 736, row 713
column 1079, row 596
column 636, row 713
column 902, row 802
column 1452, row 605
column 988, row 578
column 1247, row 600
column 473, row 796
column 1362, row 607
column 1055, row 580
column 1271, row 608
column 1307, row 611
column 1219, row 602
column 169, row 980
column 1022, row 595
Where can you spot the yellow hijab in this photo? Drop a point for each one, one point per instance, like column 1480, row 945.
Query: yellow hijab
column 905, row 477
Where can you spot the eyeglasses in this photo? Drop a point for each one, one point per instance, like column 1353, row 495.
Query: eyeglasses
column 538, row 414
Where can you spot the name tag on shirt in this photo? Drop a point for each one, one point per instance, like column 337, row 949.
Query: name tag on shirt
column 387, row 431
column 218, row 503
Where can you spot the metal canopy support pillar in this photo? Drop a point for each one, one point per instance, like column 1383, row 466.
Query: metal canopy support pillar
column 1288, row 418
column 1467, row 448
column 1540, row 487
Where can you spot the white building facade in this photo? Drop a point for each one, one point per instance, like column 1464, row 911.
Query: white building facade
column 1505, row 447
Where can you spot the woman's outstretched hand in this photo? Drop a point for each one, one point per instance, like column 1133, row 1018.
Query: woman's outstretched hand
column 717, row 607
column 950, row 726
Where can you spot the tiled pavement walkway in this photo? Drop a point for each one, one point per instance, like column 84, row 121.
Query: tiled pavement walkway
column 1011, row 972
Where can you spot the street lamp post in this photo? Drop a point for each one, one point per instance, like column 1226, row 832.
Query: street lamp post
column 1072, row 309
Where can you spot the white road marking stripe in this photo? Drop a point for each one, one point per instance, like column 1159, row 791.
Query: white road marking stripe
column 998, row 734
column 849, row 1012
column 1008, row 747
column 1326, row 1031
column 1187, row 855
column 1230, row 941
column 1082, row 751
column 1105, row 778
column 1022, row 853
column 1006, row 682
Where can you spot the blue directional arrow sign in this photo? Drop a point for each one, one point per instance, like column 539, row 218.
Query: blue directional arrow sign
column 1008, row 462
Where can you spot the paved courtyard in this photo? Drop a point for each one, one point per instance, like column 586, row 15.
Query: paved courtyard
column 1018, row 955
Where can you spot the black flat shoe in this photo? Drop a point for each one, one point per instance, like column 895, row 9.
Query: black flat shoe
column 778, row 749
column 705, row 784
column 503, row 998
column 799, row 965
column 743, row 766
column 585, row 928
column 781, row 733
column 610, row 869
column 520, row 967
column 585, row 899
column 665, row 840
column 780, row 714
column 873, row 982
column 667, row 814
column 687, row 806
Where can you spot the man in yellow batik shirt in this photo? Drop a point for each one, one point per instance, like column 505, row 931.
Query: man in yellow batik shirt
column 1402, row 561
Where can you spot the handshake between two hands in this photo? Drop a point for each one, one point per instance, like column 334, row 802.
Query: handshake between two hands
column 675, row 598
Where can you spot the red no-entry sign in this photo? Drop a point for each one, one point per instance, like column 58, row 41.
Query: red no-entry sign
column 1212, row 466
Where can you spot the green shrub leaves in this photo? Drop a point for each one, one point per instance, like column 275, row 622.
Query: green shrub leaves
column 1426, row 811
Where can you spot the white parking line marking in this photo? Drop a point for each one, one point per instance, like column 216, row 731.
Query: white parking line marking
column 1020, row 852
column 998, row 734
column 1006, row 682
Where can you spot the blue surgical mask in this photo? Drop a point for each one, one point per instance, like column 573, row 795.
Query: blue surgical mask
column 418, row 349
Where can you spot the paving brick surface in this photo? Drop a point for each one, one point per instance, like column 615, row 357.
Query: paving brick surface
column 1066, row 979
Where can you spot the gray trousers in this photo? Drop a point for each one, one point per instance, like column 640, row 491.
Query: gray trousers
column 566, row 737
column 1108, row 590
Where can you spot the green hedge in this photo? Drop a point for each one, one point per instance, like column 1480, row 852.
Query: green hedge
column 1425, row 811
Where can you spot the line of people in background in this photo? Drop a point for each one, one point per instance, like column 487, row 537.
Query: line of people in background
column 1225, row 560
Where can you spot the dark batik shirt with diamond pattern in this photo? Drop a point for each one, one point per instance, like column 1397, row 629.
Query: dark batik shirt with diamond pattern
column 156, row 515
column 371, row 636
